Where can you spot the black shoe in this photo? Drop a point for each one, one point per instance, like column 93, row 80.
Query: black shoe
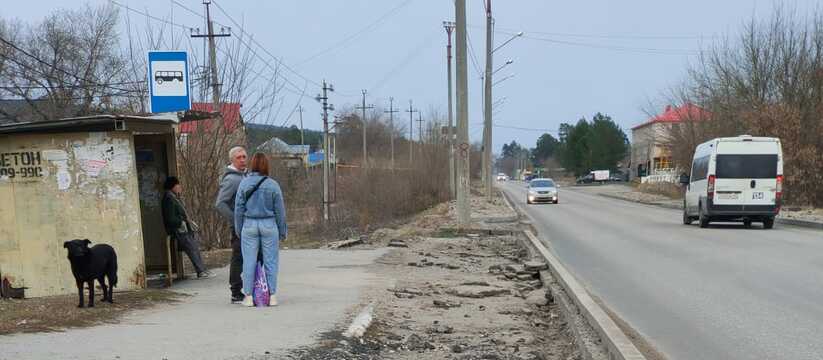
column 237, row 297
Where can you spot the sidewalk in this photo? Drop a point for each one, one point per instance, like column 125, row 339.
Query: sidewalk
column 318, row 288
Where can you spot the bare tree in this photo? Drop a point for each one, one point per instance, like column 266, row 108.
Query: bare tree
column 767, row 82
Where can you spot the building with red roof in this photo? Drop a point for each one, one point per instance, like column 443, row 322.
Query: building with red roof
column 232, row 120
column 650, row 153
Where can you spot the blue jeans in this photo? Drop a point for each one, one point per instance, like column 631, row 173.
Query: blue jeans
column 260, row 234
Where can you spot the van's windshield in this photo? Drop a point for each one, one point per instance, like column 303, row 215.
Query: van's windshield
column 746, row 166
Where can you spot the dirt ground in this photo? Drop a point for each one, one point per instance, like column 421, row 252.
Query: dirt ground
column 51, row 313
column 456, row 295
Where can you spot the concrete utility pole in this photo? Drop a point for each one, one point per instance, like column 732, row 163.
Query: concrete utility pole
column 363, row 122
column 487, row 105
column 463, row 147
column 215, row 80
column 391, row 112
column 411, row 112
column 449, row 25
column 324, row 100
column 300, row 110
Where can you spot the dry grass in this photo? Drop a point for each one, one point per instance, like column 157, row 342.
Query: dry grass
column 671, row 191
column 57, row 313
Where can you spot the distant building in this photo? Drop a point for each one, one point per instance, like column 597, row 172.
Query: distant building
column 650, row 152
column 293, row 155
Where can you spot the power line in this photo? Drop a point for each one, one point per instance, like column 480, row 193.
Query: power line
column 473, row 57
column 524, row 128
column 360, row 32
column 645, row 50
column 605, row 36
column 55, row 67
column 414, row 53
column 279, row 61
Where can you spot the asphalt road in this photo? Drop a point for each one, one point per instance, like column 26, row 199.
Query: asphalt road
column 720, row 293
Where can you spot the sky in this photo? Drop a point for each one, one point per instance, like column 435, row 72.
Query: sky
column 576, row 58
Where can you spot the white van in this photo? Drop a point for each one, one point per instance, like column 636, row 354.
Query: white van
column 735, row 179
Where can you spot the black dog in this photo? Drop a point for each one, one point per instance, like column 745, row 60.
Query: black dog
column 88, row 264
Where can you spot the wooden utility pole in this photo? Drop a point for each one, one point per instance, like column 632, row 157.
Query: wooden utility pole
column 324, row 101
column 300, row 110
column 215, row 79
column 363, row 123
column 391, row 112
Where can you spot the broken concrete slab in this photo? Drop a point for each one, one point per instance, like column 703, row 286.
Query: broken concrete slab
column 477, row 292
column 398, row 243
column 535, row 266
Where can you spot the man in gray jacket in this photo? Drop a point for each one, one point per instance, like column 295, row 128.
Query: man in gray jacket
column 225, row 206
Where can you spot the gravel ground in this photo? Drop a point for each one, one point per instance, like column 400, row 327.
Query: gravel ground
column 454, row 296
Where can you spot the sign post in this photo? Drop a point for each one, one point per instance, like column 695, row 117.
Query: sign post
column 168, row 78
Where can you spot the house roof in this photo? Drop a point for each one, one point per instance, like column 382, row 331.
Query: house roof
column 231, row 116
column 687, row 112
column 278, row 146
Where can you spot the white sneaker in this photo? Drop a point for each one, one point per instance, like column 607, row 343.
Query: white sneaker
column 248, row 301
column 272, row 300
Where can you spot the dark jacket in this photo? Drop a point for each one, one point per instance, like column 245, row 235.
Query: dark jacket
column 174, row 214
column 228, row 190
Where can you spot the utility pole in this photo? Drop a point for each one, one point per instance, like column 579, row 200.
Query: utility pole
column 487, row 105
column 300, row 110
column 420, row 133
column 411, row 112
column 215, row 81
column 449, row 25
column 463, row 211
column 420, row 128
column 391, row 112
column 363, row 122
column 324, row 100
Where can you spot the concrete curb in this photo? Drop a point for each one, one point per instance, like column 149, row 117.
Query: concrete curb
column 782, row 221
column 617, row 344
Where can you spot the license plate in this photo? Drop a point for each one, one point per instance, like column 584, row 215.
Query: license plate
column 727, row 196
column 758, row 195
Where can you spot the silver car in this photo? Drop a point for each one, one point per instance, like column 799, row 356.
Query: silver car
column 542, row 190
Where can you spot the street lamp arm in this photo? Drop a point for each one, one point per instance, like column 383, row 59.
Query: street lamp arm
column 508, row 41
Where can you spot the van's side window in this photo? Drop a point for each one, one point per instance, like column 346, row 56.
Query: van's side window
column 700, row 168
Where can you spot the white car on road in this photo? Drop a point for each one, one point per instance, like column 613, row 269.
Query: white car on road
column 542, row 190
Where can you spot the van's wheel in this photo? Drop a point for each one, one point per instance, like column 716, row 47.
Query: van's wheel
column 703, row 218
column 528, row 202
column 768, row 223
column 687, row 220
column 747, row 223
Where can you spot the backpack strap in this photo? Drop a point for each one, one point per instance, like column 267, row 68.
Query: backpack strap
column 250, row 193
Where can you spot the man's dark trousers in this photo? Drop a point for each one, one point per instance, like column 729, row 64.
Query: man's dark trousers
column 235, row 282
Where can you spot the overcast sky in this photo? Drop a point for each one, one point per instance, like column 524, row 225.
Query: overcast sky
column 577, row 57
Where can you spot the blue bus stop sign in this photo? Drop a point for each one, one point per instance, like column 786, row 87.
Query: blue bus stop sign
column 169, row 81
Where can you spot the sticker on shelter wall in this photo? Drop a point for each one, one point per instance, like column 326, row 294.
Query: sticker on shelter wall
column 21, row 166
column 94, row 159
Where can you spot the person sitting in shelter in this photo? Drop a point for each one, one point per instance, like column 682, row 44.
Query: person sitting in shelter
column 179, row 226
